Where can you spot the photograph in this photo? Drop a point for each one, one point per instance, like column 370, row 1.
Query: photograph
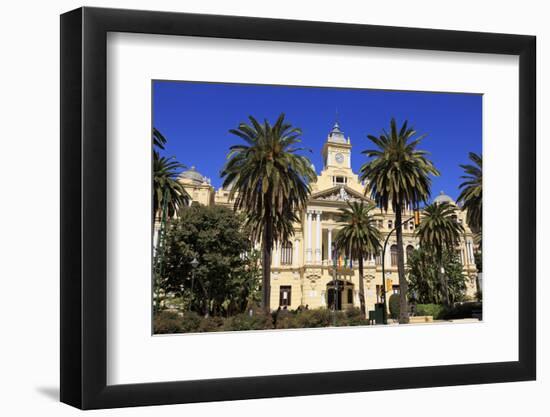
column 296, row 207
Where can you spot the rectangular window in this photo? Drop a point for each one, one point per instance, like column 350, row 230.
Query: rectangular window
column 284, row 295
column 350, row 296
column 286, row 254
column 395, row 289
column 390, row 224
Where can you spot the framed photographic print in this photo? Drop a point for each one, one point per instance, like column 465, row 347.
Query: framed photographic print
column 258, row 208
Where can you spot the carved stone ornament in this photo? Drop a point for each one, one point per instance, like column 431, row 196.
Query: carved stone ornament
column 342, row 195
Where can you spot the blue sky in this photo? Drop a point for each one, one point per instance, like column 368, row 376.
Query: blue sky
column 196, row 118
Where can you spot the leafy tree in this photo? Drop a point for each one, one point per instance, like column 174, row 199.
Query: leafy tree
column 398, row 173
column 227, row 276
column 358, row 238
column 270, row 182
column 425, row 285
column 471, row 192
column 168, row 194
column 439, row 231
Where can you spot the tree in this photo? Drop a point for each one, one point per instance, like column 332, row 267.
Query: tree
column 358, row 237
column 227, row 277
column 471, row 192
column 270, row 182
column 168, row 194
column 439, row 231
column 425, row 285
column 398, row 174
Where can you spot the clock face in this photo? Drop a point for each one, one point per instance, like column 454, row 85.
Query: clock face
column 339, row 158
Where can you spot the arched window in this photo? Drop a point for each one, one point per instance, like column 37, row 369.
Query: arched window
column 286, row 253
column 393, row 253
column 379, row 258
column 410, row 249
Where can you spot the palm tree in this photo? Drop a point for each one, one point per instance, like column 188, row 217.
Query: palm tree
column 440, row 232
column 270, row 182
column 471, row 194
column 398, row 174
column 168, row 194
column 158, row 139
column 358, row 238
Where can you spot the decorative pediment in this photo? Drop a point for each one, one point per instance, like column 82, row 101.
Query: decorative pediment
column 339, row 193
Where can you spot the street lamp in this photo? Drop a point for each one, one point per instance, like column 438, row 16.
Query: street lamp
column 194, row 264
column 416, row 218
column 334, row 283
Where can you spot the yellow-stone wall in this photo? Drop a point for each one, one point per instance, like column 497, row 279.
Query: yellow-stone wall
column 310, row 273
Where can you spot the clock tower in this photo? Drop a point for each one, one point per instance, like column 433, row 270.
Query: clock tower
column 337, row 149
column 337, row 170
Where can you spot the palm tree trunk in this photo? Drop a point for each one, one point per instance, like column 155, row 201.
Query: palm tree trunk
column 266, row 265
column 403, row 285
column 362, row 288
column 443, row 281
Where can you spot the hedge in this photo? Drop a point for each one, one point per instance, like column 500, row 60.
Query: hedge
column 463, row 311
column 167, row 322
column 458, row 311
column 435, row 310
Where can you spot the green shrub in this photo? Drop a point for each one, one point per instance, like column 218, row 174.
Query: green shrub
column 353, row 312
column 211, row 324
column 244, row 321
column 190, row 322
column 394, row 306
column 320, row 317
column 435, row 310
column 463, row 311
column 166, row 322
column 353, row 317
column 286, row 320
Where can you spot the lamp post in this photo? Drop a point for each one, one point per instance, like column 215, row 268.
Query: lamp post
column 416, row 217
column 334, row 284
column 194, row 264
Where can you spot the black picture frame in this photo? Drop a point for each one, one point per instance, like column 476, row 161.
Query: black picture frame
column 84, row 207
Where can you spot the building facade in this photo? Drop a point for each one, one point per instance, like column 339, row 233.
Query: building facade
column 303, row 271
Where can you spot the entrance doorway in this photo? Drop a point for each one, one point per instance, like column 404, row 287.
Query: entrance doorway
column 339, row 293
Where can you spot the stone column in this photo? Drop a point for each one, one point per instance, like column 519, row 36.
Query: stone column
column 277, row 257
column 318, row 238
column 308, row 236
column 296, row 253
column 471, row 252
column 329, row 244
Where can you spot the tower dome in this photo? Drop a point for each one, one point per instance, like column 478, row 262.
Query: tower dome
column 443, row 198
column 192, row 175
column 336, row 135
